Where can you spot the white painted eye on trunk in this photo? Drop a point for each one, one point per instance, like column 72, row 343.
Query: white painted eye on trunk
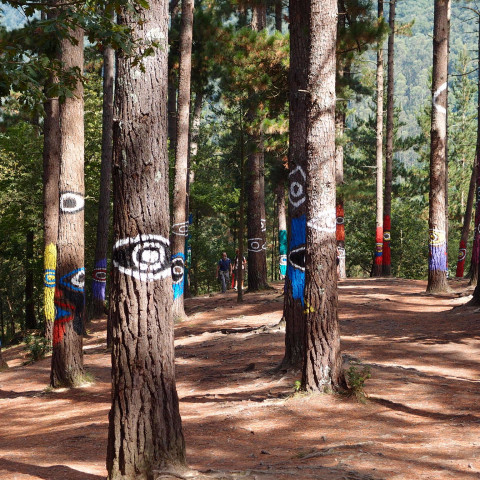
column 296, row 194
column 71, row 202
column 341, row 252
column 437, row 237
column 386, row 236
column 256, row 245
column 74, row 280
column 144, row 257
column 263, row 224
column 180, row 229
column 296, row 258
column 178, row 266
column 340, row 220
column 462, row 253
column 283, row 260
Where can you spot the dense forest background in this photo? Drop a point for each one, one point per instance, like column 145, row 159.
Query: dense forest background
column 215, row 187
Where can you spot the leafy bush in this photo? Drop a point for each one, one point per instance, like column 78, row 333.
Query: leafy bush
column 356, row 379
column 37, row 347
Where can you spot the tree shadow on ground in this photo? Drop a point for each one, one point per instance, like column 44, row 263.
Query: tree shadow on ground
column 53, row 472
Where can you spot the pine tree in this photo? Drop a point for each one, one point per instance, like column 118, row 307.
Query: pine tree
column 145, row 433
column 437, row 265
column 322, row 366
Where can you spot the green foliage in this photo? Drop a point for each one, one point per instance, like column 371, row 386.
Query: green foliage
column 356, row 378
column 37, row 348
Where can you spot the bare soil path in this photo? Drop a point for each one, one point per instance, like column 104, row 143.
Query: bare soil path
column 421, row 421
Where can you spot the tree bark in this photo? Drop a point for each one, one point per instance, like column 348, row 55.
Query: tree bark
column 256, row 221
column 437, row 265
column 30, row 318
column 99, row 273
column 297, row 166
column 387, row 211
column 240, row 273
column 180, row 216
column 51, row 173
column 67, row 358
column 322, row 366
column 462, row 251
column 377, row 263
column 278, row 15
column 145, row 432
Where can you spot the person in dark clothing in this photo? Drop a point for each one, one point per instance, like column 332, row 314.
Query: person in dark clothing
column 224, row 270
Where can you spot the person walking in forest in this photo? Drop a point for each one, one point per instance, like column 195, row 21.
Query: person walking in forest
column 224, row 270
column 236, row 263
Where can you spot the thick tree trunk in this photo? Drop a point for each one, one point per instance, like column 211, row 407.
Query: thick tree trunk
column 145, row 431
column 99, row 273
column 282, row 231
column 387, row 211
column 180, row 216
column 30, row 318
column 377, row 262
column 256, row 221
column 67, row 358
column 297, row 166
column 51, row 172
column 240, row 273
column 462, row 251
column 437, row 265
column 322, row 366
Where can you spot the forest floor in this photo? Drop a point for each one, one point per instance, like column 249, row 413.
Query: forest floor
column 421, row 419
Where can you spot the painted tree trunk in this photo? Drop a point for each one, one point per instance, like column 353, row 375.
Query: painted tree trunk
column 99, row 274
column 475, row 262
column 30, row 317
column 51, row 172
column 340, row 237
column 67, row 358
column 377, row 259
column 437, row 264
column 256, row 221
column 145, row 433
column 462, row 251
column 322, row 366
column 297, row 166
column 180, row 215
column 282, row 231
column 387, row 210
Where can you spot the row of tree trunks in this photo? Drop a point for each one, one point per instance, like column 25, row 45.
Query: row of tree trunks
column 145, row 433
column 387, row 209
column 255, row 185
column 293, row 309
column 99, row 273
column 180, row 212
column 437, row 265
column 67, row 358
column 377, row 262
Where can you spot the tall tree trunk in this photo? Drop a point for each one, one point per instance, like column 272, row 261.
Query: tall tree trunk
column 30, row 318
column 51, row 172
column 278, row 15
column 462, row 251
column 240, row 273
column 256, row 221
column 282, row 230
column 437, row 265
column 475, row 262
column 180, row 217
column 377, row 262
column 297, row 166
column 387, row 211
column 100, row 269
column 322, row 366
column 67, row 358
column 145, row 432
column 340, row 120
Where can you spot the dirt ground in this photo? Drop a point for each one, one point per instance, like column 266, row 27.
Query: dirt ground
column 421, row 420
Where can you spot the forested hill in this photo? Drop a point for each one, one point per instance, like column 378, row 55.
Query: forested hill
column 414, row 53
